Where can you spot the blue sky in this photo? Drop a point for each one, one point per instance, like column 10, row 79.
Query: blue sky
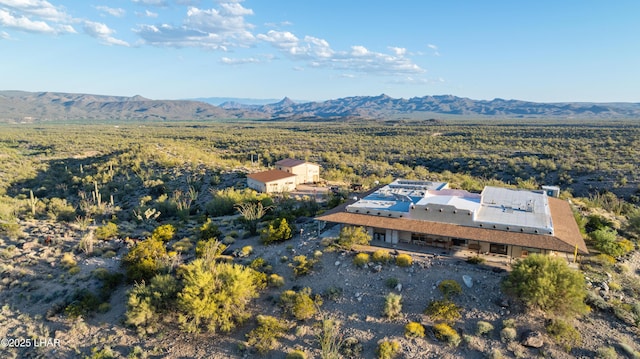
column 546, row 51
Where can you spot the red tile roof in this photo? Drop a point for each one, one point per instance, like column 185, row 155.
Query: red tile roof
column 565, row 239
column 270, row 176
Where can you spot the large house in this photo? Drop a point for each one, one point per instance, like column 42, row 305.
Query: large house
column 501, row 221
column 305, row 172
column 272, row 181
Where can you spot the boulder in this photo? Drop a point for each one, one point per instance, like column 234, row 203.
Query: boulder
column 532, row 339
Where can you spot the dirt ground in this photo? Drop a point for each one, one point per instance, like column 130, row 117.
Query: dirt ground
column 34, row 283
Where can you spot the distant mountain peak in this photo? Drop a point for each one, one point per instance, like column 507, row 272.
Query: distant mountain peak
column 286, row 101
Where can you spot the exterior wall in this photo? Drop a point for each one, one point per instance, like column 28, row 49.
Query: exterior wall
column 442, row 213
column 305, row 173
column 256, row 185
column 283, row 185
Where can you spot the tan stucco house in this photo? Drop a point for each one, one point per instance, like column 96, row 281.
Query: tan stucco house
column 272, row 181
column 305, row 172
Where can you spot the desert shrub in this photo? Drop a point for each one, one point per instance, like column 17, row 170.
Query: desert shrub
column 351, row 236
column 59, row 209
column 564, row 334
column 296, row 354
column 508, row 334
column 68, row 261
column 392, row 305
column 209, row 230
column 330, row 338
column 145, row 260
column 404, row 260
column 603, row 259
column 215, row 295
column 606, row 241
column 107, row 231
column 260, row 264
column 104, row 353
column 444, row 310
column 388, row 349
column 476, row 260
column 483, row 328
column 10, row 229
column 147, row 302
column 495, row 353
column 351, row 348
column 509, row 323
column 209, row 249
column 278, row 230
column 245, row 251
column 333, row 293
column 381, row 256
column 445, row 333
column 414, row 330
column 361, row 259
column 303, row 265
column 182, row 245
column 137, row 353
column 300, row 304
column 74, row 270
column 275, row 280
column 606, row 353
column 547, row 283
column 391, row 282
column 164, row 232
column 449, row 287
column 265, row 336
column 83, row 303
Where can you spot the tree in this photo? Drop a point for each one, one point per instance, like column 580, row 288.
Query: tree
column 278, row 231
column 606, row 241
column 215, row 295
column 251, row 213
column 350, row 236
column 547, row 283
column 145, row 259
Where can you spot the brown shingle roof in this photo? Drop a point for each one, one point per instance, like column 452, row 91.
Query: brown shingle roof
column 290, row 162
column 565, row 239
column 270, row 176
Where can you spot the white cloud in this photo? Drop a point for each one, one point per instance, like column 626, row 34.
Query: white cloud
column 434, row 48
column 38, row 8
column 23, row 23
column 159, row 3
column 117, row 12
column 399, row 51
column 230, row 61
column 4, row 36
column 218, row 29
column 102, row 32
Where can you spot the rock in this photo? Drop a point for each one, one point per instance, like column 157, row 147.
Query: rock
column 337, row 263
column 504, row 303
column 605, row 287
column 399, row 287
column 532, row 339
column 377, row 269
column 468, row 281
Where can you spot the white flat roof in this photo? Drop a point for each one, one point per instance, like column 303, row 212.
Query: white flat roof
column 515, row 207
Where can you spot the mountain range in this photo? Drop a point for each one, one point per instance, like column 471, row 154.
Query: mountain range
column 21, row 106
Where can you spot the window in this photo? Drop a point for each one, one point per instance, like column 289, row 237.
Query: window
column 498, row 248
column 459, row 242
column 378, row 237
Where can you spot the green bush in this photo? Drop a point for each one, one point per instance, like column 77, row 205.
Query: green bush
column 265, row 336
column 391, row 282
column 278, row 230
column 164, row 232
column 388, row 349
column 564, row 334
column 606, row 241
column 476, row 260
column 444, row 310
column 145, row 260
column 215, row 295
column 508, row 334
column 483, row 328
column 107, row 231
column 208, row 231
column 414, row 330
column 351, row 236
column 300, row 304
column 361, row 259
column 404, row 260
column 606, row 353
column 296, row 354
column 445, row 333
column 275, row 280
column 392, row 305
column 381, row 256
column 547, row 283
column 449, row 287
column 303, row 265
